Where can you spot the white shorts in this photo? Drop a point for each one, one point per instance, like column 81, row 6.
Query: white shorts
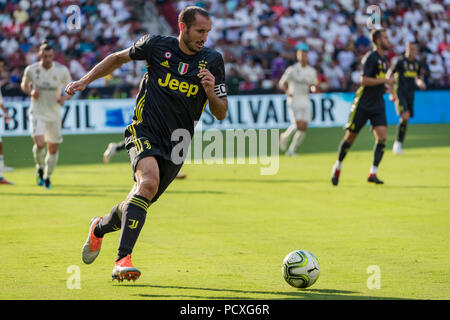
column 300, row 111
column 51, row 130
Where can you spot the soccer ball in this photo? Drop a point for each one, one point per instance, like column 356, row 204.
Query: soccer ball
column 300, row 269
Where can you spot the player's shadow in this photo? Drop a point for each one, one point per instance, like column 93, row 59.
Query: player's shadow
column 306, row 294
column 52, row 194
column 264, row 180
column 417, row 187
column 195, row 192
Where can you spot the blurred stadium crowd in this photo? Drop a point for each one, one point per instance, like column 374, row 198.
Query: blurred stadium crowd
column 257, row 38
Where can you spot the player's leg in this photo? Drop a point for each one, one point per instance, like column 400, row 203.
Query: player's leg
column 357, row 119
column 2, row 165
column 401, row 132
column 112, row 149
column 299, row 136
column 98, row 227
column 301, row 112
column 135, row 208
column 344, row 146
column 53, row 138
column 286, row 135
column 130, row 214
column 37, row 128
column 380, row 133
column 51, row 159
column 39, row 158
column 134, row 215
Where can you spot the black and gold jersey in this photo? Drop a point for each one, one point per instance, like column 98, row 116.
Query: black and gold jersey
column 406, row 72
column 374, row 66
column 171, row 96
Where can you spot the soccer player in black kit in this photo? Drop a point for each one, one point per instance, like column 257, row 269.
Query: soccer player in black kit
column 182, row 77
column 407, row 72
column 368, row 105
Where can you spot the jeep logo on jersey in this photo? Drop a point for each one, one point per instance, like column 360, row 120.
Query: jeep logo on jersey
column 182, row 86
column 183, row 68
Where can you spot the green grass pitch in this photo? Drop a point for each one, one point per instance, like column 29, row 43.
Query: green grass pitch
column 223, row 232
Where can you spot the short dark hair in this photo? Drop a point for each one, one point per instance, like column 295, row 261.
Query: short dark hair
column 45, row 46
column 187, row 15
column 375, row 35
column 2, row 59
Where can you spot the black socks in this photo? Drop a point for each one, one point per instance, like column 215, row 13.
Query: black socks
column 378, row 152
column 109, row 223
column 344, row 146
column 401, row 130
column 133, row 219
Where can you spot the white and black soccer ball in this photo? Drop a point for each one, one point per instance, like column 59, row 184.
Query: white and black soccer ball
column 300, row 269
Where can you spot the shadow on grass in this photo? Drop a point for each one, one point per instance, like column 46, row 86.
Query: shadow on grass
column 265, row 180
column 52, row 194
column 417, row 187
column 308, row 294
column 195, row 192
column 89, row 193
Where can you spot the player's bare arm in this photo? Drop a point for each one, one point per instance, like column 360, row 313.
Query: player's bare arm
column 217, row 105
column 29, row 90
column 284, row 86
column 102, row 69
column 390, row 87
column 63, row 99
column 313, row 85
column 5, row 112
column 421, row 84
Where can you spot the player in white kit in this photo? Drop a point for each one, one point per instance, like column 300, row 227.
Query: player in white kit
column 296, row 82
column 44, row 81
column 5, row 113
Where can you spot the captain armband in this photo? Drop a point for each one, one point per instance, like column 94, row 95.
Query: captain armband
column 220, row 90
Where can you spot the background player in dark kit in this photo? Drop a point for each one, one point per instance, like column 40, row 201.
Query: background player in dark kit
column 407, row 72
column 368, row 105
column 182, row 77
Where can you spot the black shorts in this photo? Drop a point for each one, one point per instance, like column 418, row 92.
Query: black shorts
column 139, row 145
column 359, row 116
column 404, row 103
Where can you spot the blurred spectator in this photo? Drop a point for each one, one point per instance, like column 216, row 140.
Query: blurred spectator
column 436, row 73
column 93, row 94
column 256, row 37
column 346, row 57
column 335, row 76
column 323, row 85
column 278, row 67
column 355, row 76
column 106, row 26
column 234, row 81
column 253, row 71
column 362, row 42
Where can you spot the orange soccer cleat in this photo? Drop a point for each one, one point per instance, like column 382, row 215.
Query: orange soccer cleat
column 123, row 269
column 91, row 247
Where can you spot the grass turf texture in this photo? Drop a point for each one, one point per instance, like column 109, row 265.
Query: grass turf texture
column 223, row 232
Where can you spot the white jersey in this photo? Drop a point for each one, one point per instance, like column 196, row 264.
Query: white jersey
column 50, row 83
column 299, row 80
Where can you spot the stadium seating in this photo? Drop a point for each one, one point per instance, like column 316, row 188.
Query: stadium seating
column 257, row 38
